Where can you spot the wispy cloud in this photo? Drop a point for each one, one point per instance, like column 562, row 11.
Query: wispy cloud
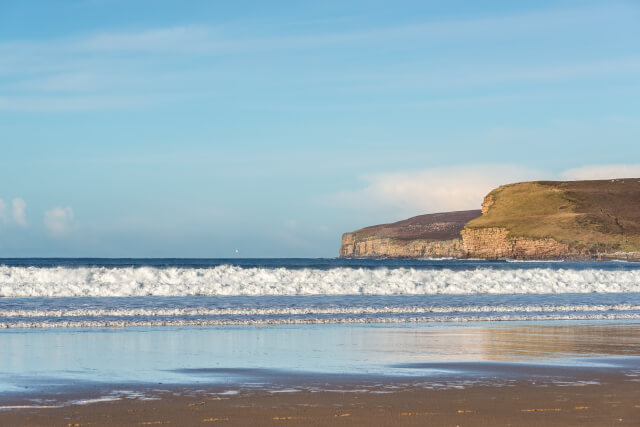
column 59, row 220
column 403, row 194
column 433, row 190
column 189, row 39
column 602, row 172
column 169, row 39
column 4, row 216
column 423, row 76
column 85, row 102
column 64, row 82
column 19, row 211
column 118, row 69
column 16, row 215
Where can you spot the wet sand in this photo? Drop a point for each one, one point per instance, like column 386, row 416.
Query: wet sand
column 547, row 373
column 615, row 402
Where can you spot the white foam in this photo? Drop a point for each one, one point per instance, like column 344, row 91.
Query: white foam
column 96, row 400
column 306, row 311
column 16, row 281
column 9, row 407
column 227, row 393
column 310, row 320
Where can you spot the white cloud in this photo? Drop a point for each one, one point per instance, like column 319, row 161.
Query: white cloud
column 17, row 213
column 291, row 224
column 58, row 220
column 4, row 218
column 19, row 208
column 434, row 190
column 404, row 194
column 602, row 172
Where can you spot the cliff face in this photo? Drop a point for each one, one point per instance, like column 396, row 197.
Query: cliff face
column 433, row 235
column 533, row 220
column 392, row 248
column 495, row 243
column 558, row 220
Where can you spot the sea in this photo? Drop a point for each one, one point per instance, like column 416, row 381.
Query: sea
column 78, row 331
column 85, row 293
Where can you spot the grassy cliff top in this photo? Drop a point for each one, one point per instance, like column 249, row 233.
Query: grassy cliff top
column 594, row 214
column 437, row 226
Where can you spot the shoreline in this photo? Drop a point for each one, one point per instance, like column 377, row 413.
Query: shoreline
column 613, row 401
column 611, row 364
column 50, row 361
column 623, row 257
column 339, row 321
column 491, row 373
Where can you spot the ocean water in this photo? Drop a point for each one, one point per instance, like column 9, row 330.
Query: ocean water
column 72, row 293
column 96, row 328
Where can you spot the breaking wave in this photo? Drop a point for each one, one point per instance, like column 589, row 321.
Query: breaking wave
column 171, row 321
column 229, row 280
column 307, row 311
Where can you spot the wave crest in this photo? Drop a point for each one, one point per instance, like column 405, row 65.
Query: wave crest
column 228, row 280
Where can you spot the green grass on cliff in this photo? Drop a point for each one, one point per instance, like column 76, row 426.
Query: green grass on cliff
column 602, row 215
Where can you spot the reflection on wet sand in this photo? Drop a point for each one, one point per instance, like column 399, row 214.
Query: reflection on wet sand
column 51, row 359
column 514, row 373
column 527, row 341
column 506, row 342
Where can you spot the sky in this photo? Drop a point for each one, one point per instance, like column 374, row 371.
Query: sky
column 156, row 128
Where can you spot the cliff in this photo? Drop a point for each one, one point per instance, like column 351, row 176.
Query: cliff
column 433, row 235
column 558, row 220
column 531, row 220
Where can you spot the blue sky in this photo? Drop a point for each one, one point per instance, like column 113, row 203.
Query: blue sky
column 194, row 128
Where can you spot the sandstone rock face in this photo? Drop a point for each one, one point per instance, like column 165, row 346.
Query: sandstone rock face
column 495, row 243
column 425, row 236
column 394, row 248
column 486, row 203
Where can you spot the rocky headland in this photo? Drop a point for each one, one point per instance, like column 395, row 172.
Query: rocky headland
column 432, row 235
column 575, row 220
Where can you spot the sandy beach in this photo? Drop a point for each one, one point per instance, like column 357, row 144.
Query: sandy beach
column 488, row 373
column 615, row 402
